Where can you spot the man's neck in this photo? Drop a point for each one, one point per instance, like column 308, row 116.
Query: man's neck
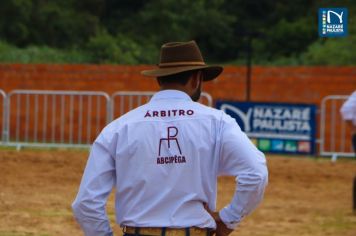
column 175, row 87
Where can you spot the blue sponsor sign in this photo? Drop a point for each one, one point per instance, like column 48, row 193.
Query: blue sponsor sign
column 275, row 127
column 332, row 22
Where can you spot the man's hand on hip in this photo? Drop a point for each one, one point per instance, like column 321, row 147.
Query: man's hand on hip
column 221, row 228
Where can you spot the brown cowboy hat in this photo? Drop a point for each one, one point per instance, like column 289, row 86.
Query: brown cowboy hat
column 178, row 57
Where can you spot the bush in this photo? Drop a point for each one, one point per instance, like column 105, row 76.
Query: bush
column 331, row 51
column 36, row 54
column 105, row 48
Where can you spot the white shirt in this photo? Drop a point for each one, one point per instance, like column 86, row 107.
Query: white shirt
column 163, row 160
column 348, row 109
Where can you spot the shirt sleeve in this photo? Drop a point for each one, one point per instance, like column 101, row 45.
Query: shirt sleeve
column 240, row 158
column 348, row 109
column 97, row 182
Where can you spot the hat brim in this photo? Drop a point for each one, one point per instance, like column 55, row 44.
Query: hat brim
column 210, row 72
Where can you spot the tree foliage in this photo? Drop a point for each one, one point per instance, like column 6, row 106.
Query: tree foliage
column 131, row 31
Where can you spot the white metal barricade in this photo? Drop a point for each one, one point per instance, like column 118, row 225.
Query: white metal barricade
column 124, row 101
column 74, row 118
column 45, row 118
column 55, row 118
column 335, row 137
column 206, row 99
column 3, row 133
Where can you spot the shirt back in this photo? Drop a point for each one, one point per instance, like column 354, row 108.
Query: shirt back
column 166, row 162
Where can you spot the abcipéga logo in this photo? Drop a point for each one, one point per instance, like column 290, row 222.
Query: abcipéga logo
column 168, row 142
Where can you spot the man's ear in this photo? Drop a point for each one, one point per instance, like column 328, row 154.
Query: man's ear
column 196, row 80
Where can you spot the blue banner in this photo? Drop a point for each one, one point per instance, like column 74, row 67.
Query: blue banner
column 275, row 127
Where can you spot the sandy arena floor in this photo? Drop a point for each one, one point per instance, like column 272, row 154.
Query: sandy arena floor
column 305, row 196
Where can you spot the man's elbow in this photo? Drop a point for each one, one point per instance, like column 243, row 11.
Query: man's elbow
column 260, row 175
column 263, row 175
column 76, row 208
column 261, row 170
column 79, row 209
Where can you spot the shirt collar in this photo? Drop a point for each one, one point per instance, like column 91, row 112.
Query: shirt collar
column 170, row 94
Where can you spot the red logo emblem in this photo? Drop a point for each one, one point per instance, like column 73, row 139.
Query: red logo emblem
column 172, row 133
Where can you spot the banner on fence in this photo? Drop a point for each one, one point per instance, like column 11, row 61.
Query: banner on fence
column 275, row 127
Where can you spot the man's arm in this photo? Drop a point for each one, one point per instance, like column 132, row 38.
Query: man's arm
column 240, row 158
column 348, row 110
column 96, row 185
column 221, row 228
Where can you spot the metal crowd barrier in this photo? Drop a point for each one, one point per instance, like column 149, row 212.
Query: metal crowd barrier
column 3, row 117
column 335, row 137
column 124, row 101
column 45, row 118
column 74, row 118
column 55, row 118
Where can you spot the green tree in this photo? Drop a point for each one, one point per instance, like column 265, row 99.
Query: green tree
column 59, row 25
column 130, row 31
column 14, row 21
column 156, row 22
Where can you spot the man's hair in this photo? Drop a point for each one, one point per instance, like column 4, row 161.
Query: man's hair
column 180, row 78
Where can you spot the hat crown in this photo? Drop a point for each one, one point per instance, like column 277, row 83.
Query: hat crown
column 181, row 54
column 178, row 57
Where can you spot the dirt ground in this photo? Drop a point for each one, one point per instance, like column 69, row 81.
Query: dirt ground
column 305, row 196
